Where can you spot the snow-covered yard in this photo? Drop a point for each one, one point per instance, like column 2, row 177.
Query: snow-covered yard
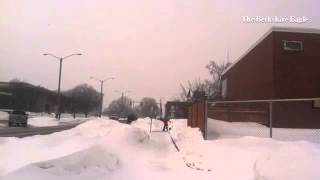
column 221, row 129
column 106, row 149
column 50, row 121
column 44, row 119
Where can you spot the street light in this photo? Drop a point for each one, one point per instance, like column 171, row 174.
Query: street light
column 59, row 95
column 101, row 90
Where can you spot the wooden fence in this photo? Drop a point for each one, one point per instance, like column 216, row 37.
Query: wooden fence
column 196, row 115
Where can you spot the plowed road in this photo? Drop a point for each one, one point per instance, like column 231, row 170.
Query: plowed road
column 31, row 131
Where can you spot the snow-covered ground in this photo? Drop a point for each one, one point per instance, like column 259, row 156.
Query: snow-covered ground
column 106, row 149
column 4, row 115
column 50, row 121
column 221, row 129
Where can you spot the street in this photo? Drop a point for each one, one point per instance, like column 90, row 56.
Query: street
column 31, row 131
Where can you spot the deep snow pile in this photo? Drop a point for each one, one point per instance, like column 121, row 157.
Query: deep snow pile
column 96, row 149
column 105, row 149
column 221, row 129
column 249, row 157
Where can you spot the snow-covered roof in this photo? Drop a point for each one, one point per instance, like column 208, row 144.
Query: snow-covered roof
column 274, row 29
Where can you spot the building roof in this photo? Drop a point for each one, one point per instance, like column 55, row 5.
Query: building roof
column 274, row 29
column 26, row 84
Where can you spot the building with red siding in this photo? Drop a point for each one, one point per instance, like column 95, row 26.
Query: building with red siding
column 283, row 64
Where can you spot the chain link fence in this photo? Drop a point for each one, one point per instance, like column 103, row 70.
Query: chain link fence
column 281, row 119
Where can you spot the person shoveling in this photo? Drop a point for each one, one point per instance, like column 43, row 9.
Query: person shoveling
column 165, row 124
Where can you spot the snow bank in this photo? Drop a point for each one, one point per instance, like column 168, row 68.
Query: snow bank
column 247, row 157
column 43, row 121
column 94, row 149
column 288, row 161
column 96, row 159
column 222, row 129
column 106, row 149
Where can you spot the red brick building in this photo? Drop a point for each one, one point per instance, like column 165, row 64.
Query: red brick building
column 283, row 64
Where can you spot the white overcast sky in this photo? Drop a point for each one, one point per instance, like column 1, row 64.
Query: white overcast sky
column 149, row 46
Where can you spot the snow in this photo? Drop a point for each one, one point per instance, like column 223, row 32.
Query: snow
column 50, row 121
column 4, row 115
column 222, row 129
column 106, row 149
column 43, row 121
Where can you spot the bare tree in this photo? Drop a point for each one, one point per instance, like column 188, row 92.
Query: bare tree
column 84, row 98
column 192, row 90
column 197, row 89
column 121, row 107
column 213, row 86
column 148, row 107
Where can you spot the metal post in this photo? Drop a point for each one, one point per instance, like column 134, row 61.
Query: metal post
column 59, row 94
column 150, row 124
column 160, row 108
column 270, row 118
column 122, row 98
column 206, row 119
column 101, row 98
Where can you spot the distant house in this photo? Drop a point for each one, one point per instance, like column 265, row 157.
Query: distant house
column 283, row 64
column 176, row 110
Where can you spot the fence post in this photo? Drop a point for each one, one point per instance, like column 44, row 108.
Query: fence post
column 206, row 119
column 270, row 118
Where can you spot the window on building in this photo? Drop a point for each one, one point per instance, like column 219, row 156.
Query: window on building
column 224, row 88
column 316, row 104
column 292, row 45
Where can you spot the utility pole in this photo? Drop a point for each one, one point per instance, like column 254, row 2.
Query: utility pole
column 58, row 114
column 59, row 93
column 101, row 98
column 161, row 106
column 122, row 94
column 101, row 92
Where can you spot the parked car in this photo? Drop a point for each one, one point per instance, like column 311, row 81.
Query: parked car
column 114, row 117
column 131, row 117
column 18, row 118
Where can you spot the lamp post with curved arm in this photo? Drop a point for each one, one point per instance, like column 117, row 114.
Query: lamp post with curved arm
column 59, row 83
column 101, row 91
